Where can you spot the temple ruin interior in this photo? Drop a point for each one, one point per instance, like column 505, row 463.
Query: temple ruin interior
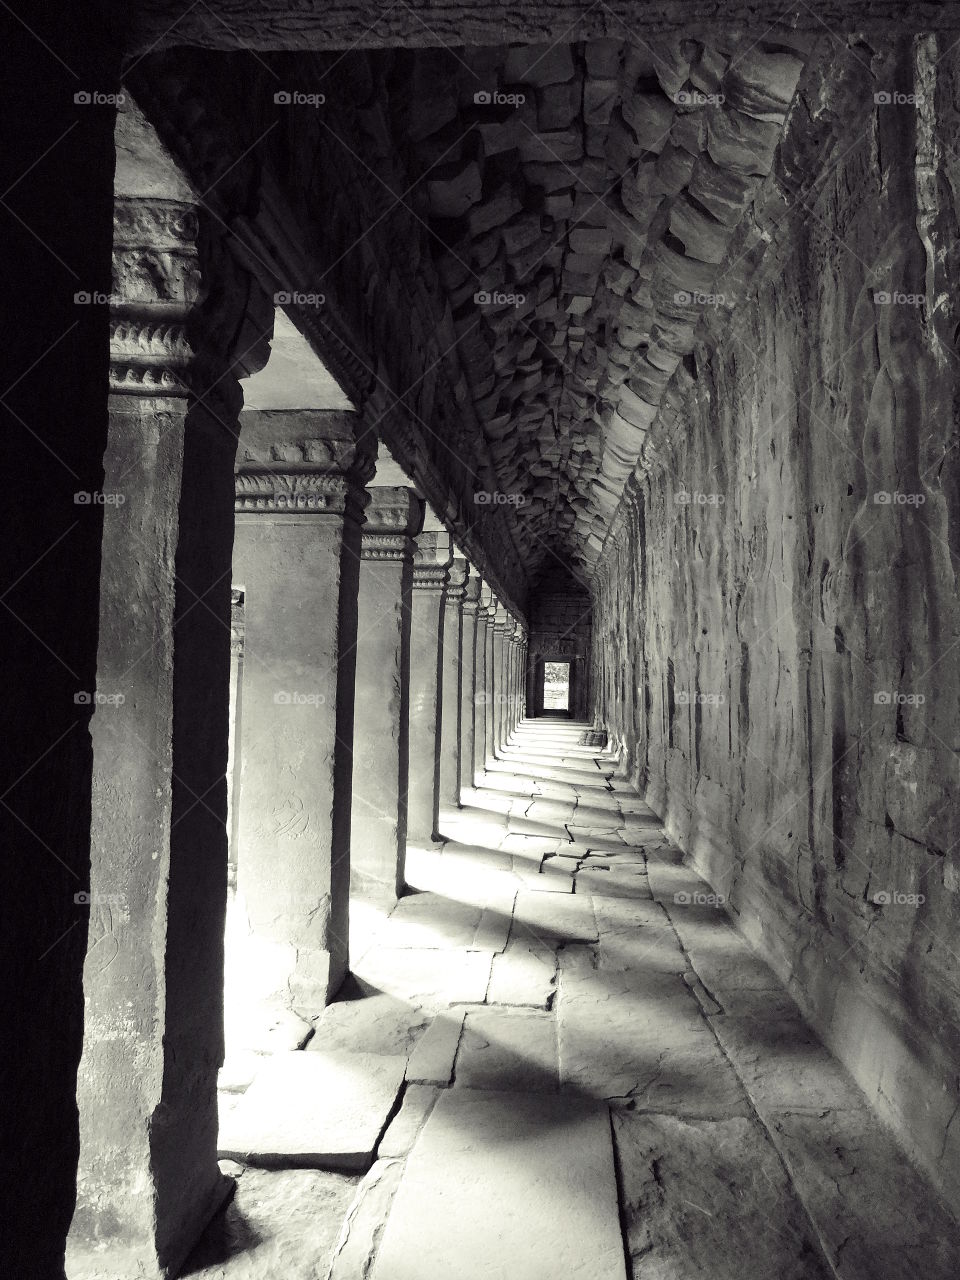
column 481, row 641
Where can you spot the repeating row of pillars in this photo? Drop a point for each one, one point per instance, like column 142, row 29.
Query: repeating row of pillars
column 380, row 675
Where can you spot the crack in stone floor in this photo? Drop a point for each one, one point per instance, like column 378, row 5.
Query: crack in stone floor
column 557, row 1056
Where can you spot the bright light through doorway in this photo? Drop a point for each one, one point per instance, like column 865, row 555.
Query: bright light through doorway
column 556, row 686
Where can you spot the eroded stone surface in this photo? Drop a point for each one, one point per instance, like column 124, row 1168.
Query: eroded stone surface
column 320, row 1110
column 282, row 1223
column 513, row 1051
column 705, row 1197
column 523, row 1184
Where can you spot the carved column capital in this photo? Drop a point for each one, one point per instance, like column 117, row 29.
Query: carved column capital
column 457, row 579
column 471, row 596
column 393, row 518
column 178, row 303
column 432, row 561
column 296, row 463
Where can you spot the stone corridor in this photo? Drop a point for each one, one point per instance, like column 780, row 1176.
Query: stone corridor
column 556, row 1056
column 480, row 640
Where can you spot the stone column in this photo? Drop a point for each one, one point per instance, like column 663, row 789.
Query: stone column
column 431, row 563
column 297, row 557
column 490, row 746
column 451, row 743
column 481, row 698
column 381, row 731
column 500, row 676
column 148, row 1179
column 470, row 678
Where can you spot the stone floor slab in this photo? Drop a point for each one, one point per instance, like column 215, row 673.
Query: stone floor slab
column 506, row 1050
column 418, row 1101
column 553, row 919
column 279, row 1223
column 370, row 1024
column 426, row 978
column 705, row 1198
column 885, row 1225
column 313, row 1110
column 432, row 1060
column 506, row 1185
column 525, row 974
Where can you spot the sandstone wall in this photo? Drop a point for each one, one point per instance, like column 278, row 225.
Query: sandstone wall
column 777, row 644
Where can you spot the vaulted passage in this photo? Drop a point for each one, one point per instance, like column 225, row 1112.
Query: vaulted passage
column 481, row 642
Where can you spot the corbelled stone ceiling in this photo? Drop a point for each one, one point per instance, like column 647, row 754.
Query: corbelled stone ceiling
column 583, row 199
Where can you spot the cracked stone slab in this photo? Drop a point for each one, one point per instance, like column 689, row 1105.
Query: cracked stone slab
column 502, row 1184
column 710, row 1198
column 875, row 1224
column 784, row 1066
column 426, row 978
column 611, row 883
column 507, row 1050
column 642, row 1042
column 525, row 974
column 313, row 1109
column 432, row 1060
column 372, row 1024
column 278, row 1223
column 552, row 919
column 363, row 1227
column 430, row 920
column 418, row 1101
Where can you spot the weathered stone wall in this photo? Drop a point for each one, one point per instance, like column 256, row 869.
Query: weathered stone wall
column 776, row 616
